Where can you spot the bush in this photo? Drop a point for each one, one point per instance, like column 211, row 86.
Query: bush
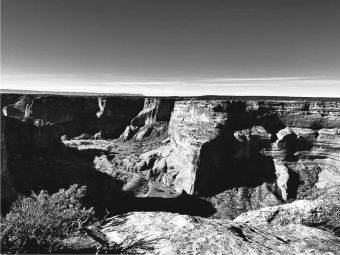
column 333, row 219
column 330, row 204
column 38, row 223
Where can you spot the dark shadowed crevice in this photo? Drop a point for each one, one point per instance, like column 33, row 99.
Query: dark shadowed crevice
column 293, row 184
column 220, row 170
column 238, row 117
column 183, row 204
column 118, row 114
column 269, row 119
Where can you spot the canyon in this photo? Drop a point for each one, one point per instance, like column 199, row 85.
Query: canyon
column 218, row 164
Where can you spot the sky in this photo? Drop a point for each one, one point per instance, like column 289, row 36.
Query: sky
column 172, row 47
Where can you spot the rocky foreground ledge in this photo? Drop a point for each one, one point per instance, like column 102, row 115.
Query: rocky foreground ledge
column 294, row 228
column 167, row 233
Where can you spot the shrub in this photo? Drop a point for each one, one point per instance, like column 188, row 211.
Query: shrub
column 330, row 204
column 38, row 223
column 333, row 219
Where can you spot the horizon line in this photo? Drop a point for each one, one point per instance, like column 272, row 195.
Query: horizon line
column 84, row 93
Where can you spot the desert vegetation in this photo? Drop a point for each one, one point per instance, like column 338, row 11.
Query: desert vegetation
column 44, row 223
column 332, row 213
column 39, row 223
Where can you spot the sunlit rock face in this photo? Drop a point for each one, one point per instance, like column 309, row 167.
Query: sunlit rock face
column 168, row 233
column 253, row 154
column 15, row 106
column 239, row 154
column 192, row 125
column 155, row 109
column 307, row 212
column 152, row 119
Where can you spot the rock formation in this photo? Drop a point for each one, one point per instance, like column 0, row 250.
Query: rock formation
column 155, row 111
column 239, row 154
column 8, row 192
column 231, row 132
column 264, row 173
column 298, row 212
column 167, row 233
column 250, row 154
column 77, row 115
column 34, row 158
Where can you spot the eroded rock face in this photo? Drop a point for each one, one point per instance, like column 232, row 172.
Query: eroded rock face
column 241, row 154
column 115, row 114
column 167, row 233
column 21, row 135
column 237, row 149
column 192, row 125
column 307, row 212
column 155, row 110
column 37, row 159
column 77, row 115
column 22, row 138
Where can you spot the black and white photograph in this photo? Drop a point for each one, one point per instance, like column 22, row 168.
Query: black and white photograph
column 170, row 127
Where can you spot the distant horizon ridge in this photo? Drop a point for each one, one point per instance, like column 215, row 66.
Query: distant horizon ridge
column 83, row 93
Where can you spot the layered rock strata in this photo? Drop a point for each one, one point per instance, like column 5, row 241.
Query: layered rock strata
column 77, row 115
column 241, row 154
column 250, row 154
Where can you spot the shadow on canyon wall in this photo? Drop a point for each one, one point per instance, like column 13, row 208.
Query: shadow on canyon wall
column 226, row 162
column 236, row 165
column 37, row 159
column 76, row 115
column 182, row 204
column 36, row 169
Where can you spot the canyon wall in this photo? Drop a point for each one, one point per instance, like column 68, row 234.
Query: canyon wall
column 153, row 117
column 250, row 154
column 8, row 192
column 242, row 154
column 75, row 116
column 218, row 140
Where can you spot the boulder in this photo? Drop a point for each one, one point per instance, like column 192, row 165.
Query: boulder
column 307, row 212
column 159, row 167
column 141, row 166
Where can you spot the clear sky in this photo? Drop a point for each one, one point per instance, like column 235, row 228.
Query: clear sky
column 172, row 47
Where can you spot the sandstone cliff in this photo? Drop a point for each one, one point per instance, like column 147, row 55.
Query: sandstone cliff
column 250, row 154
column 153, row 118
column 217, row 137
column 238, row 154
column 75, row 116
column 34, row 158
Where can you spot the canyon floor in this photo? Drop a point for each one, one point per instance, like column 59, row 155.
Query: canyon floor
column 184, row 175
